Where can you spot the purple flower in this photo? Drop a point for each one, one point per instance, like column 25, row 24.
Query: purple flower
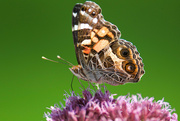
column 104, row 107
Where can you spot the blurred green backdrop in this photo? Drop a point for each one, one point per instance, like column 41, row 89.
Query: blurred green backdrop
column 30, row 29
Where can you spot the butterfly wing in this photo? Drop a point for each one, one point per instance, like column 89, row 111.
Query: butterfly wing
column 91, row 33
column 101, row 55
column 118, row 63
column 75, row 22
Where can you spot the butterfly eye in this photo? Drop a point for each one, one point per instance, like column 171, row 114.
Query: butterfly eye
column 93, row 13
column 130, row 67
column 124, row 52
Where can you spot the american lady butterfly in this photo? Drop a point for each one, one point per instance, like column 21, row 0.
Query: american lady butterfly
column 102, row 56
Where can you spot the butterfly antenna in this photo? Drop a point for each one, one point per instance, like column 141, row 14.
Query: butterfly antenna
column 55, row 61
column 59, row 57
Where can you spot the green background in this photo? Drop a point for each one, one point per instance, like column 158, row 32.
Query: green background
column 30, row 29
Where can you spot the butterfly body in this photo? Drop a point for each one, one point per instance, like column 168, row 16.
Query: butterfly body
column 102, row 56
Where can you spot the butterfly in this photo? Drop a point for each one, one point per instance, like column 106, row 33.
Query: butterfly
column 102, row 56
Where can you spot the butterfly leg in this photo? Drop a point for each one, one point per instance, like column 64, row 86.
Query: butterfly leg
column 72, row 83
column 104, row 87
column 81, row 83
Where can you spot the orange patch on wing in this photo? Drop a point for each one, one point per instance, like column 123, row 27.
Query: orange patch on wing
column 95, row 30
column 95, row 39
column 86, row 50
column 92, row 34
column 103, row 31
column 100, row 45
column 110, row 34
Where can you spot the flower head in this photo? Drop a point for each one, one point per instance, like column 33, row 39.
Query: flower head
column 103, row 106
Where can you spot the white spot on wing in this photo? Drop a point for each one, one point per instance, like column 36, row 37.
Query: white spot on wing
column 74, row 14
column 84, row 26
column 82, row 12
column 81, row 26
column 86, row 42
column 75, row 28
column 95, row 20
column 89, row 10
